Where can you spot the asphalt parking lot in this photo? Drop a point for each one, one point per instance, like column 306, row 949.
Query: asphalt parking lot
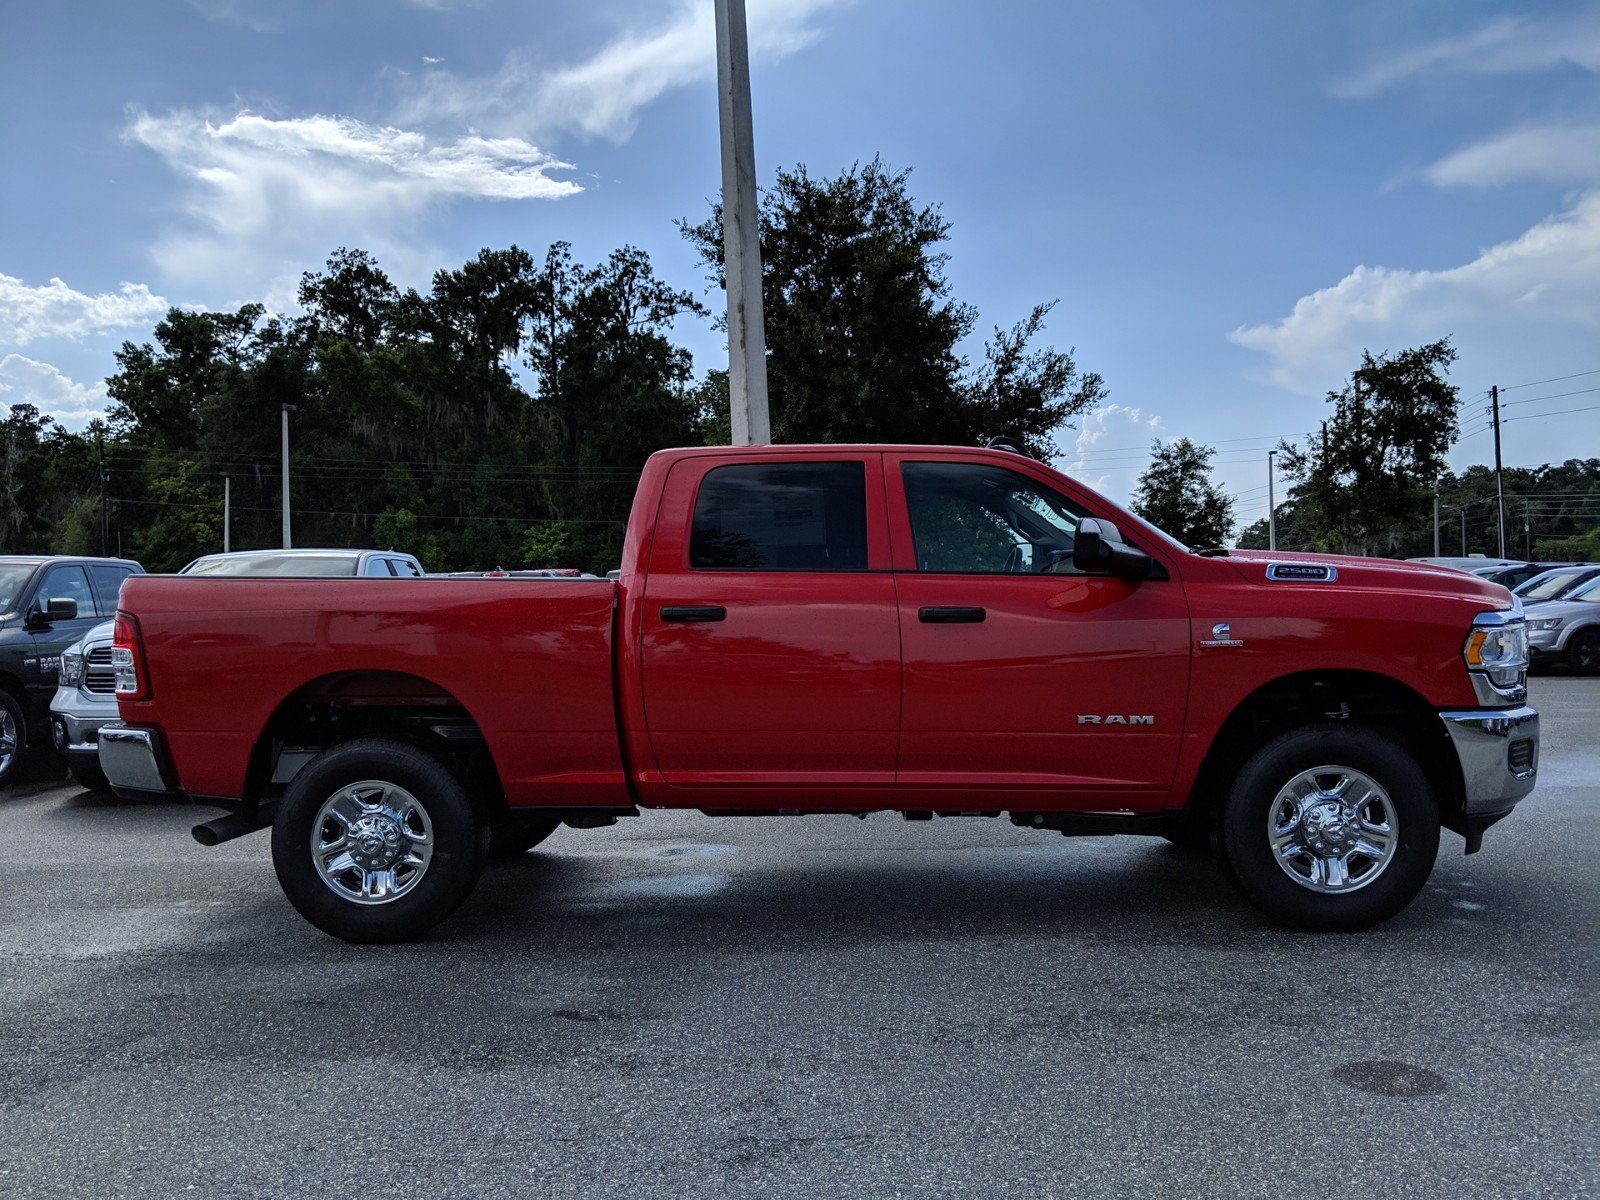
column 685, row 1006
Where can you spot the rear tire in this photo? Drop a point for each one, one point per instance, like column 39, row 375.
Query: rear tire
column 1331, row 827
column 515, row 837
column 375, row 841
column 1583, row 654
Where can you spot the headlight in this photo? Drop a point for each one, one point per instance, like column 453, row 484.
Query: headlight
column 1544, row 624
column 71, row 667
column 1497, row 647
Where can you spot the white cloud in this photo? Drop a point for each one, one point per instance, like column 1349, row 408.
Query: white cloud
column 1553, row 153
column 1504, row 46
column 265, row 192
column 603, row 95
column 1547, row 278
column 55, row 310
column 27, row 381
column 1109, row 429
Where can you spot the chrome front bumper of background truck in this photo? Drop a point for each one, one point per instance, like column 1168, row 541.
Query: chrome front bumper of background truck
column 1498, row 750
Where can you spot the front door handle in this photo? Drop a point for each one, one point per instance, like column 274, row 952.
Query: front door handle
column 950, row 616
column 693, row 612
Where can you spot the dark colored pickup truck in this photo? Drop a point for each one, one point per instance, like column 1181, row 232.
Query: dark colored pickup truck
column 840, row 629
column 46, row 604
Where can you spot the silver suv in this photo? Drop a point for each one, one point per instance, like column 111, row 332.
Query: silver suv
column 1568, row 630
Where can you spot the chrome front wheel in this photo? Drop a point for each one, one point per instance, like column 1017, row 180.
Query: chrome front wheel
column 10, row 740
column 1332, row 826
column 1333, row 829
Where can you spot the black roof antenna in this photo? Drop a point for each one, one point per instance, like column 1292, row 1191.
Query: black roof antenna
column 1007, row 443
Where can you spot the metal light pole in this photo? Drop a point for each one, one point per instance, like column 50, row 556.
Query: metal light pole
column 227, row 510
column 1272, row 505
column 1499, row 473
column 287, row 542
column 741, row 232
column 1436, row 521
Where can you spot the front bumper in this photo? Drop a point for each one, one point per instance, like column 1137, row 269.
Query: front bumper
column 134, row 760
column 76, row 720
column 1498, row 750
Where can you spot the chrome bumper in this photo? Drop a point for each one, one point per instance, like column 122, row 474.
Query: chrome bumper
column 1499, row 754
column 132, row 758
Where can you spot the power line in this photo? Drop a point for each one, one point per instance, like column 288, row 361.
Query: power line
column 1552, row 396
column 1556, row 379
column 1541, row 416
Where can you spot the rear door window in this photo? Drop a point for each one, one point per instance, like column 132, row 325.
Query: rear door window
column 781, row 517
column 107, row 583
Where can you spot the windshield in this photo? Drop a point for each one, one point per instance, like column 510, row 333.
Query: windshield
column 322, row 565
column 1590, row 593
column 1549, row 585
column 12, row 581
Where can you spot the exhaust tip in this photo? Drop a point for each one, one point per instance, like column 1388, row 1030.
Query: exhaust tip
column 206, row 835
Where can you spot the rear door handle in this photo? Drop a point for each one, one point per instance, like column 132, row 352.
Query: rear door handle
column 693, row 612
column 950, row 616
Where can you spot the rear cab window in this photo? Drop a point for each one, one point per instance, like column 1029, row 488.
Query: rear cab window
column 785, row 516
column 107, row 584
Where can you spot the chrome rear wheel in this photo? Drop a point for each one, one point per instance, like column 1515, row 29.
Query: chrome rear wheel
column 372, row 842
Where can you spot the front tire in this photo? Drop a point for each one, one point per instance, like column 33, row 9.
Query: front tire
column 89, row 776
column 1583, row 655
column 1331, row 827
column 375, row 841
column 13, row 738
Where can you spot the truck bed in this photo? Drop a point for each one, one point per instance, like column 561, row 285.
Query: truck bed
column 529, row 661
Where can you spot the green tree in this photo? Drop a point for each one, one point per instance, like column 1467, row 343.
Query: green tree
column 611, row 389
column 1369, row 477
column 863, row 332
column 1177, row 495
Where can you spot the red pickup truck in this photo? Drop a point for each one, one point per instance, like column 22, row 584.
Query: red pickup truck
column 840, row 629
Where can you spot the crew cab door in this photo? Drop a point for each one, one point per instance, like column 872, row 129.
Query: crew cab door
column 1020, row 673
column 770, row 641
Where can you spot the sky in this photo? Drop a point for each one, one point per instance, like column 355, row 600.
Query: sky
column 1227, row 201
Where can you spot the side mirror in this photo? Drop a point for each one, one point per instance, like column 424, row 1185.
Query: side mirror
column 60, row 608
column 1098, row 549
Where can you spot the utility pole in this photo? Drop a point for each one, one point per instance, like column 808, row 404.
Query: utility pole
column 287, row 543
column 1527, row 532
column 105, row 510
column 741, row 231
column 1272, row 506
column 227, row 509
column 1436, row 520
column 1499, row 480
